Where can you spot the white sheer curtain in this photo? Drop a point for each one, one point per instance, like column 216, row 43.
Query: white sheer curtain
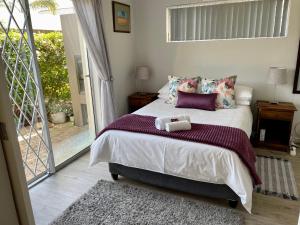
column 90, row 14
column 246, row 19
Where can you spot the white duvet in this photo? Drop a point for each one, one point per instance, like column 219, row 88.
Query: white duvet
column 185, row 159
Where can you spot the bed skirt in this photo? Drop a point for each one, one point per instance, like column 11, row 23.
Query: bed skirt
column 176, row 183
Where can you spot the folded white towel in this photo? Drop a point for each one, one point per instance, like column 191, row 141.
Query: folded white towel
column 160, row 122
column 179, row 125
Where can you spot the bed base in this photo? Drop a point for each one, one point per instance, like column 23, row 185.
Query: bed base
column 176, row 183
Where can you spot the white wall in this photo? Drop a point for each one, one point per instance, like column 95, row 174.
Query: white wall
column 122, row 56
column 249, row 59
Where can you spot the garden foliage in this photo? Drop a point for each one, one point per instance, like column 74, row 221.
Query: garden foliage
column 52, row 63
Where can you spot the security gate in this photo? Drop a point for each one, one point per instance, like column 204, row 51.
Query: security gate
column 23, row 80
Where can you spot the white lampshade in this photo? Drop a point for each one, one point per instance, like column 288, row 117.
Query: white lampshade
column 277, row 76
column 142, row 73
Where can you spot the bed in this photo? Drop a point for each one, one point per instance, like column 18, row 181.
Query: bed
column 186, row 166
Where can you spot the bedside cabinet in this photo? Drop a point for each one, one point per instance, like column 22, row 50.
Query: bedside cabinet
column 274, row 124
column 140, row 99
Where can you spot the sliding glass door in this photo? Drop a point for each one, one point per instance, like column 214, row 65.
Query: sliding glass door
column 79, row 130
column 24, row 84
column 47, row 75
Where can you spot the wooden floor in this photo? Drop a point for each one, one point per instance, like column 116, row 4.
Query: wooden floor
column 52, row 196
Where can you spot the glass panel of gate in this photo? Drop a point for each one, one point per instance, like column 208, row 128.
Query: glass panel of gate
column 23, row 81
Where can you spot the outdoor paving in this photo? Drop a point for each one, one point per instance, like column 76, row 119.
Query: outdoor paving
column 64, row 137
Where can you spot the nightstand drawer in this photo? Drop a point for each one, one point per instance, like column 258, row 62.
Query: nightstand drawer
column 139, row 102
column 276, row 115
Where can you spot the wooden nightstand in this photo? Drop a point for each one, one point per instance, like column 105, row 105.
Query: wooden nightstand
column 139, row 100
column 276, row 120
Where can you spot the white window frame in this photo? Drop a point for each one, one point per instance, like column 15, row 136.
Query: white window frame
column 217, row 2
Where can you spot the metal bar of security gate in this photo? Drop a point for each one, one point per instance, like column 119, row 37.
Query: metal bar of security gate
column 22, row 74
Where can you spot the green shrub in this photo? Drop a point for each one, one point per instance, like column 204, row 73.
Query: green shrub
column 52, row 63
column 17, row 90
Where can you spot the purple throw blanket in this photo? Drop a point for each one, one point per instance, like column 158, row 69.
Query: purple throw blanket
column 230, row 138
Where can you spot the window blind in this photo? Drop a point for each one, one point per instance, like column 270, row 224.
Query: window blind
column 246, row 19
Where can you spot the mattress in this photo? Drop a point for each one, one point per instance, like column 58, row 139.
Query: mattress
column 200, row 162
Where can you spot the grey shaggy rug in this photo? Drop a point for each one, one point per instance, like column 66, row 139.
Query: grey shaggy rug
column 116, row 203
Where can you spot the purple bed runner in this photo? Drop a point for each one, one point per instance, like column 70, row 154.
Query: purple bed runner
column 230, row 138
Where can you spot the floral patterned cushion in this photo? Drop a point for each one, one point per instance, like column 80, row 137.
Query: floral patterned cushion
column 183, row 84
column 224, row 88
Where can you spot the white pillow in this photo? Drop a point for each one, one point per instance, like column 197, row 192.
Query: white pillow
column 243, row 95
column 163, row 93
column 164, row 89
column 243, row 102
column 163, row 96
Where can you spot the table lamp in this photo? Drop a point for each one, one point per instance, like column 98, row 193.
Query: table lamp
column 277, row 76
column 142, row 74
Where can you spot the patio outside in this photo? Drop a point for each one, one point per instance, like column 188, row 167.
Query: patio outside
column 63, row 137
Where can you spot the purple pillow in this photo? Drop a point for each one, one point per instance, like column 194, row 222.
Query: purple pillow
column 197, row 101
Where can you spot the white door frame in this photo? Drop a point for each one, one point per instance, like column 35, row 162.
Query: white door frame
column 8, row 211
column 12, row 155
